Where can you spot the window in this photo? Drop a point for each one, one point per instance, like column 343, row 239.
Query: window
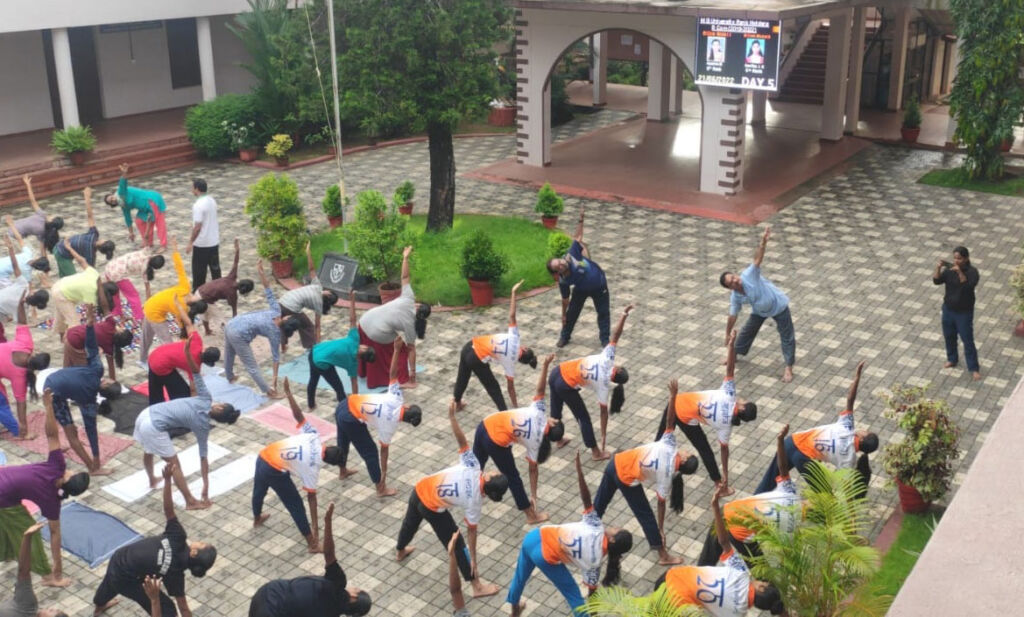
column 183, row 51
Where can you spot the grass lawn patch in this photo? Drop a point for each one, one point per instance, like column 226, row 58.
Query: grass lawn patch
column 915, row 530
column 1012, row 184
column 435, row 262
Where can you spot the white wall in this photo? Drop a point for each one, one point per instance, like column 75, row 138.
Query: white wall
column 132, row 86
column 228, row 55
column 25, row 98
column 18, row 15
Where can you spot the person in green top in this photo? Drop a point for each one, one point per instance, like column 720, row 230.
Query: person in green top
column 344, row 352
column 149, row 207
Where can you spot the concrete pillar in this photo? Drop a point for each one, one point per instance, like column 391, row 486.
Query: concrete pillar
column 898, row 65
column 723, row 127
column 546, row 123
column 533, row 101
column 935, row 79
column 659, row 81
column 954, row 62
column 205, row 42
column 837, row 64
column 599, row 52
column 675, row 99
column 856, row 71
column 758, row 106
column 65, row 77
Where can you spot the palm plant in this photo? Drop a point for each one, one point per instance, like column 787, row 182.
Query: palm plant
column 823, row 568
column 618, row 601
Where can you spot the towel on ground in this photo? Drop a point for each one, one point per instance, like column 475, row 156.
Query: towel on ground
column 91, row 535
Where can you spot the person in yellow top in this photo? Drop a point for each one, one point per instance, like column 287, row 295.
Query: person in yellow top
column 161, row 305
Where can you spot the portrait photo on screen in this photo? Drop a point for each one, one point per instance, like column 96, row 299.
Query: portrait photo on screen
column 716, row 49
column 755, row 52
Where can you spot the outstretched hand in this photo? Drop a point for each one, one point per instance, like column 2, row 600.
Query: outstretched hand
column 406, row 252
column 783, row 432
column 453, row 542
column 628, row 309
column 168, row 471
column 33, row 529
column 767, row 233
column 673, row 386
column 151, row 585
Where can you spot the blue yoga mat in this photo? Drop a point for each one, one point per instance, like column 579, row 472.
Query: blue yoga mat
column 91, row 535
column 3, row 458
column 244, row 399
column 297, row 370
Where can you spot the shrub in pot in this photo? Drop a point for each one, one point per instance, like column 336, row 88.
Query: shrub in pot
column 279, row 240
column 558, row 244
column 549, row 205
column 73, row 142
column 482, row 266
column 331, row 205
column 243, row 139
column 376, row 235
column 911, row 128
column 272, row 195
column 278, row 147
column 921, row 464
column 403, row 197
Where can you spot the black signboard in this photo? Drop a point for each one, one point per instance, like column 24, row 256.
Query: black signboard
column 737, row 53
column 338, row 273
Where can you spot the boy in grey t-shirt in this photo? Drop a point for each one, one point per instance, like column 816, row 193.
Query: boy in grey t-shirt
column 24, row 603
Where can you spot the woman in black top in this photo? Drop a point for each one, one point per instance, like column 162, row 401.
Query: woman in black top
column 960, row 278
column 312, row 596
column 167, row 555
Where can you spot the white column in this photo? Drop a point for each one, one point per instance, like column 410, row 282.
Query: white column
column 600, row 55
column 675, row 100
column 723, row 127
column 205, row 42
column 898, row 64
column 837, row 64
column 545, row 120
column 533, row 99
column 954, row 62
column 953, row 53
column 938, row 55
column 856, row 70
column 659, row 78
column 758, row 106
column 65, row 77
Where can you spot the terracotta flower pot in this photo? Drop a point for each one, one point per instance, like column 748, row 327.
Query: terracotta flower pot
column 248, row 154
column 1019, row 330
column 502, row 116
column 388, row 292
column 281, row 269
column 481, row 292
column 910, row 499
column 282, row 161
column 334, row 221
column 77, row 158
column 406, row 209
column 1006, row 145
column 910, row 135
column 549, row 221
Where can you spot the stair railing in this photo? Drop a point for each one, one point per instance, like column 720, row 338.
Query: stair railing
column 800, row 43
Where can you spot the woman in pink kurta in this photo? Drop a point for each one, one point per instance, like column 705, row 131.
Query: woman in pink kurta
column 18, row 365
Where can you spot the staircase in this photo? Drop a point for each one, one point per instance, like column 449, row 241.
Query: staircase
column 57, row 176
column 806, row 83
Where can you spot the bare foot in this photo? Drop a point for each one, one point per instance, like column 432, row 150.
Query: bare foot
column 563, row 442
column 198, row 505
column 51, row 581
column 787, row 375
column 314, row 549
column 274, row 395
column 482, row 589
column 259, row 520
column 517, row 609
column 409, row 385
column 102, row 471
column 233, row 379
column 540, row 517
column 600, row 455
column 100, row 609
column 405, row 552
column 949, row 365
column 976, row 376
column 345, row 472
column 155, row 482
column 459, row 406
column 387, row 492
column 26, row 437
column 666, row 559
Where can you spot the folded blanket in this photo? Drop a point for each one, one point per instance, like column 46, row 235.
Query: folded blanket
column 91, row 535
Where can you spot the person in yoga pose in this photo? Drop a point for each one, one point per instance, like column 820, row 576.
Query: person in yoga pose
column 16, row 288
column 579, row 277
column 149, row 209
column 120, row 271
column 313, row 297
column 18, row 365
column 169, row 358
column 25, row 258
column 86, row 244
column 44, row 227
column 111, row 337
column 72, row 289
column 23, row 603
column 226, row 288
column 168, row 304
column 345, row 352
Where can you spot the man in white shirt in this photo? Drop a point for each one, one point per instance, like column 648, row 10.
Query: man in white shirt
column 205, row 239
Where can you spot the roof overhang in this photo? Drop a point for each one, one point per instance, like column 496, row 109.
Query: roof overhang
column 760, row 9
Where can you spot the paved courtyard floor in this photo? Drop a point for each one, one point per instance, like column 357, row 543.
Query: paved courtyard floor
column 855, row 256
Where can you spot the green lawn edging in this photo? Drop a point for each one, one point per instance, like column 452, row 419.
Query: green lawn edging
column 1012, row 185
column 899, row 560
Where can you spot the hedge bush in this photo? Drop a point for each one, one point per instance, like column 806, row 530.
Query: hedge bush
column 204, row 123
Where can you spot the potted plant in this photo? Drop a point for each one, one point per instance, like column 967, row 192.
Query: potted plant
column 1017, row 282
column 921, row 464
column 243, row 139
column 549, row 205
column 911, row 128
column 278, row 148
column 279, row 240
column 558, row 244
column 273, row 208
column 331, row 205
column 482, row 266
column 376, row 235
column 503, row 108
column 403, row 197
column 74, row 142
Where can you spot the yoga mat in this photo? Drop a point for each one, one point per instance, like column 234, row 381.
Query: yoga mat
column 110, row 446
column 125, row 409
column 3, row 458
column 279, row 417
column 243, row 398
column 136, row 486
column 91, row 535
column 297, row 370
column 232, row 475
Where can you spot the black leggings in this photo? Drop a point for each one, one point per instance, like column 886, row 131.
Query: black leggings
column 712, row 551
column 175, row 384
column 444, row 526
column 117, row 582
column 330, row 374
column 469, row 362
column 695, row 433
column 258, row 606
column 563, row 393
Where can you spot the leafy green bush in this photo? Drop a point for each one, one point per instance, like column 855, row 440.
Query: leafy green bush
column 548, row 202
column 404, row 193
column 281, row 238
column 627, row 72
column 272, row 196
column 480, row 261
column 279, row 145
column 73, row 139
column 558, row 244
column 924, row 458
column 912, row 114
column 376, row 236
column 204, row 123
column 331, row 204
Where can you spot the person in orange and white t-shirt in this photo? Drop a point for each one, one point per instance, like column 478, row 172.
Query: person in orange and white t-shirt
column 776, row 507
column 597, row 372
column 551, row 548
column 725, row 590
column 356, row 413
column 504, row 349
column 302, row 455
column 531, row 428
column 464, row 486
column 655, row 463
column 719, row 408
column 836, row 443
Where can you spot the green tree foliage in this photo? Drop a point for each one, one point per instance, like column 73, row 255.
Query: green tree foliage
column 376, row 236
column 271, row 196
column 205, row 123
column 988, row 96
column 414, row 65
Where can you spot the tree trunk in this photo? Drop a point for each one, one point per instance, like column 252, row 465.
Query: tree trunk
column 442, row 178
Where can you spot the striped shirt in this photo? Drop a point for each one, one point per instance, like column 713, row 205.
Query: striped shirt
column 247, row 326
column 309, row 296
column 23, row 258
column 192, row 413
column 84, row 245
column 126, row 266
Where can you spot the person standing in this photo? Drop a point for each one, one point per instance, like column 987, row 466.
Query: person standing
column 204, row 244
column 149, row 209
column 586, row 279
column 960, row 279
column 765, row 300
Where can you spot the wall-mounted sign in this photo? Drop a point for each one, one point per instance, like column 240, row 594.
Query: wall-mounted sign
column 737, row 53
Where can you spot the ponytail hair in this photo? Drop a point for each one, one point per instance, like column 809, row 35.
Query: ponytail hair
column 37, row 362
column 618, row 399
column 107, row 248
column 155, row 263
column 122, row 338
column 203, row 561
column 51, row 233
column 527, row 356
column 40, row 264
column 675, row 497
column 244, row 286
column 329, row 299
column 621, row 542
column 38, row 299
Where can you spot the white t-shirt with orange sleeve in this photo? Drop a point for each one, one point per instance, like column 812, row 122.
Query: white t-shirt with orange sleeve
column 502, row 347
column 299, row 454
column 457, row 486
column 593, row 371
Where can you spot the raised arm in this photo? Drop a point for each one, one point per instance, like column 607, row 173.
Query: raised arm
column 668, row 418
column 87, row 194
column 328, row 545
column 584, row 489
column 851, row 396
column 512, row 304
column 460, row 437
column 780, row 451
column 82, row 263
column 406, row 277
column 14, row 231
column 730, row 358
column 263, row 275
column 759, row 253
column 234, row 264
column 353, row 322
column 168, row 474
column 621, row 325
column 25, row 552
column 720, row 531
column 50, row 426
column 578, row 236
column 542, row 378
column 14, row 260
column 296, row 411
column 182, row 315
column 27, row 179
column 309, row 259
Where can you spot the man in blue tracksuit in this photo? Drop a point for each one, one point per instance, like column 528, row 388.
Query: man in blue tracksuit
column 586, row 279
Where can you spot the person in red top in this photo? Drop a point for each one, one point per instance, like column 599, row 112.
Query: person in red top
column 166, row 360
column 111, row 339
